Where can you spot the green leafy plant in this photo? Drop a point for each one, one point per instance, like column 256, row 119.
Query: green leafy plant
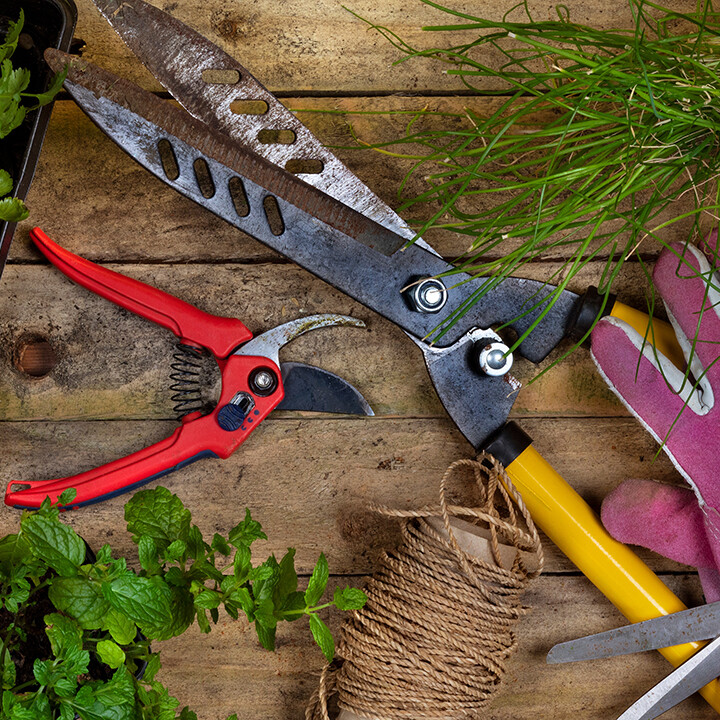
column 628, row 145
column 76, row 631
column 15, row 104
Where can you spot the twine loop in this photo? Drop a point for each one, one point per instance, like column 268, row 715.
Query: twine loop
column 432, row 640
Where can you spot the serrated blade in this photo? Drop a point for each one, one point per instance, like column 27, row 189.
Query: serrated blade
column 216, row 89
column 309, row 388
column 693, row 625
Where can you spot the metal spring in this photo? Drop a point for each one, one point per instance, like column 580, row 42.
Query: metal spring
column 186, row 373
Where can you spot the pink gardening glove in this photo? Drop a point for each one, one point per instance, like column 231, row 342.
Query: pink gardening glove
column 680, row 523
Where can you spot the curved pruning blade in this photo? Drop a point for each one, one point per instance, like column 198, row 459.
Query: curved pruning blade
column 311, row 388
column 269, row 343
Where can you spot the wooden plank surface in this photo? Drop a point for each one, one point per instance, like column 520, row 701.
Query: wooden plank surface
column 311, row 480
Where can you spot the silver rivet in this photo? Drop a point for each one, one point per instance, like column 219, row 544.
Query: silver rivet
column 494, row 358
column 264, row 380
column 428, row 296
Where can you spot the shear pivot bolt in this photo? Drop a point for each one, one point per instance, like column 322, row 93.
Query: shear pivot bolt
column 493, row 358
column 263, row 382
column 428, row 296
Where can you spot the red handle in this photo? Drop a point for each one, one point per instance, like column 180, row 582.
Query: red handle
column 220, row 335
column 195, row 439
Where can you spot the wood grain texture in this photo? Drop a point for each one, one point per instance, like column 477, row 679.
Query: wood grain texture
column 309, row 479
column 311, row 482
column 320, row 47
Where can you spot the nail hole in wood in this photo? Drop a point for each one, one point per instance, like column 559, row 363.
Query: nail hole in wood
column 219, row 76
column 268, row 136
column 204, row 178
column 249, row 107
column 34, row 356
column 306, row 166
column 168, row 160
column 239, row 197
column 273, row 215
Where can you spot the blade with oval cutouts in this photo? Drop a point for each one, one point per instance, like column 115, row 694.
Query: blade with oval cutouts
column 216, row 89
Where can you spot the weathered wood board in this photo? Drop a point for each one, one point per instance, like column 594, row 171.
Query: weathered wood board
column 309, row 479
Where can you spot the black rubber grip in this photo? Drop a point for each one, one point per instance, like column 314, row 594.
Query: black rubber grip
column 509, row 442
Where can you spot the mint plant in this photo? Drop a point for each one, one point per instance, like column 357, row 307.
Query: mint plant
column 75, row 631
column 15, row 104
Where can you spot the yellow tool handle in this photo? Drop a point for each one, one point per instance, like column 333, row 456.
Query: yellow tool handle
column 661, row 334
column 612, row 567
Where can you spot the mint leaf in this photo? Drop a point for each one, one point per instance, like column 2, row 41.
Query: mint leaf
column 8, row 671
column 110, row 653
column 64, row 634
column 183, row 614
column 242, row 563
column 208, row 600
column 113, row 700
column 143, row 600
column 246, row 532
column 148, row 555
column 121, row 628
column 318, row 581
column 159, row 515
column 104, row 555
column 323, row 637
column 219, row 544
column 67, row 496
column 266, row 636
column 349, row 598
column 287, row 580
column 242, row 597
column 175, row 551
column 54, row 542
column 81, row 599
column 293, row 606
column 265, row 613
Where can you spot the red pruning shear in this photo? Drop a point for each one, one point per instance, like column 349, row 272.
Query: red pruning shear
column 254, row 383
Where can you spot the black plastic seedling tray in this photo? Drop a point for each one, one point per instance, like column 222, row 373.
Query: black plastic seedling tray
column 48, row 23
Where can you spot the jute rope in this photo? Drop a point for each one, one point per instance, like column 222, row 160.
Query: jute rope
column 432, row 640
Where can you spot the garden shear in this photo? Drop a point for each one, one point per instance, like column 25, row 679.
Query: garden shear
column 697, row 624
column 254, row 382
column 238, row 152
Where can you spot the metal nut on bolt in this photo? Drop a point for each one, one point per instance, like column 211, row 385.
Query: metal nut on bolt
column 428, row 295
column 493, row 358
column 263, row 382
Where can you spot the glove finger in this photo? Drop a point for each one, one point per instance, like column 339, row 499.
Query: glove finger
column 687, row 283
column 671, row 410
column 710, row 581
column 663, row 518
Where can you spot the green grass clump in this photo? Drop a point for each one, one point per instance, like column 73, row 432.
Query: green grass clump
column 629, row 147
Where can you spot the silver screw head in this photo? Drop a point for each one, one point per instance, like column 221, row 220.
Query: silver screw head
column 494, row 358
column 264, row 380
column 429, row 295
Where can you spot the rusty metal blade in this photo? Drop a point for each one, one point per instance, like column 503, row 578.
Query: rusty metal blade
column 213, row 87
column 175, row 122
column 331, row 240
